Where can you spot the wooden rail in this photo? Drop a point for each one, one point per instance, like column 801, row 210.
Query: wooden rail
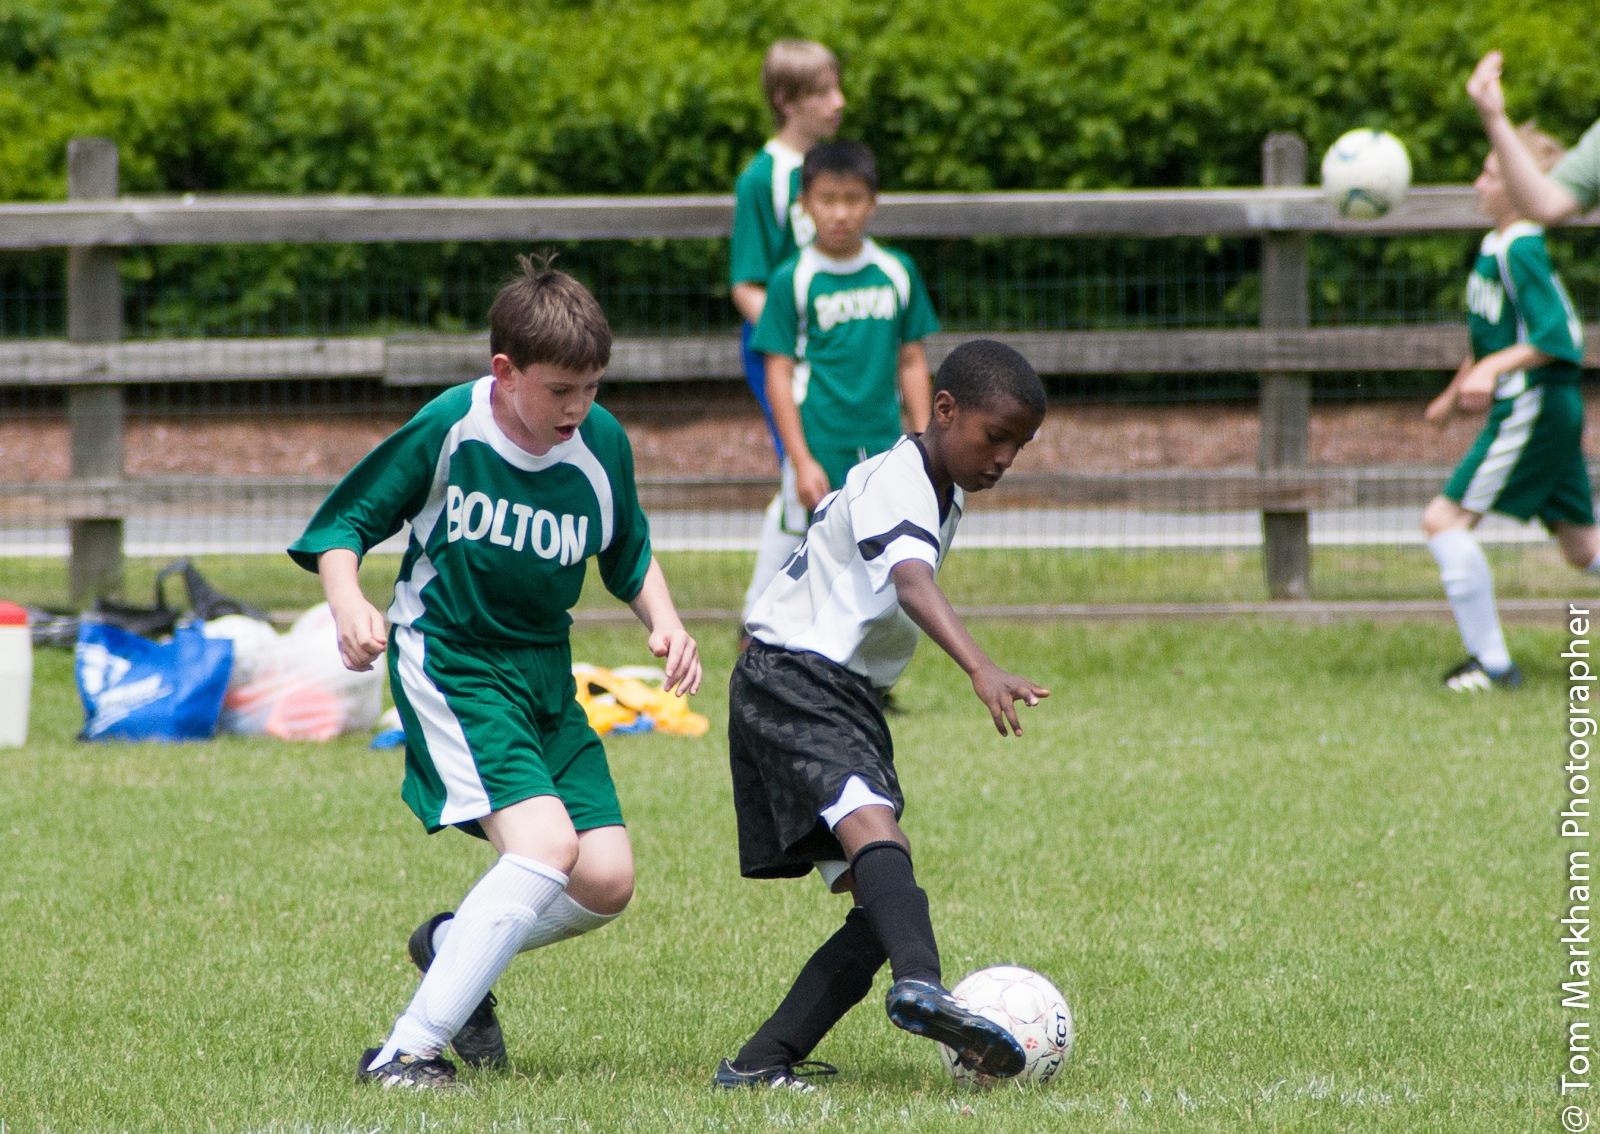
column 438, row 360
column 1168, row 491
column 124, row 221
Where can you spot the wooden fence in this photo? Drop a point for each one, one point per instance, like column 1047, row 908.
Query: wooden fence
column 94, row 364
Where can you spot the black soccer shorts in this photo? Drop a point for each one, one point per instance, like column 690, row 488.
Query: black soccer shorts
column 799, row 726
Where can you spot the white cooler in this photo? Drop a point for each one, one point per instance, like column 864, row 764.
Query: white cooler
column 16, row 674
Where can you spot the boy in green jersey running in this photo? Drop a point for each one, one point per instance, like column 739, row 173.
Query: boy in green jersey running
column 1527, row 347
column 841, row 331
column 801, row 82
column 509, row 484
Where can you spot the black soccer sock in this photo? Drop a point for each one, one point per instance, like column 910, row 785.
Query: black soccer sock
column 833, row 981
column 897, row 909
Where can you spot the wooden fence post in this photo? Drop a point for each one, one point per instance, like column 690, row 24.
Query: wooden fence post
column 1285, row 398
column 95, row 410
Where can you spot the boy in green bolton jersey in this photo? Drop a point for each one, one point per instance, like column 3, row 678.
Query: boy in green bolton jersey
column 1527, row 348
column 842, row 331
column 509, row 484
column 801, row 82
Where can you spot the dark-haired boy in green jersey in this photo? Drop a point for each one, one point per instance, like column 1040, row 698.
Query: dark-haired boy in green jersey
column 509, row 485
column 841, row 331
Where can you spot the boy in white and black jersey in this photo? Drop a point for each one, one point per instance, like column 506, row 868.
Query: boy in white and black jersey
column 814, row 782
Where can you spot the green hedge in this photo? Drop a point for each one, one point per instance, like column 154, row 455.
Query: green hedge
column 546, row 96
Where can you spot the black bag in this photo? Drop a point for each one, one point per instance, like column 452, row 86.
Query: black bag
column 160, row 620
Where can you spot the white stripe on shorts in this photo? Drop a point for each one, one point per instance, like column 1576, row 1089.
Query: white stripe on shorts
column 855, row 795
column 1504, row 452
column 465, row 796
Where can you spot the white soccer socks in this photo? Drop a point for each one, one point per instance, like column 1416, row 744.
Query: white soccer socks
column 494, row 920
column 1593, row 568
column 562, row 920
column 1470, row 589
column 775, row 548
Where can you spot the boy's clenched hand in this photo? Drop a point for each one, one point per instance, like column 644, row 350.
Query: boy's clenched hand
column 363, row 633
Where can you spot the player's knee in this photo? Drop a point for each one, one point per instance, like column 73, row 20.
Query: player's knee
column 1580, row 554
column 558, row 849
column 1436, row 517
column 610, row 891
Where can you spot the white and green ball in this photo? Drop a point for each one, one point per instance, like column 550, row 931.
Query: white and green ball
column 1365, row 174
column 1028, row 1006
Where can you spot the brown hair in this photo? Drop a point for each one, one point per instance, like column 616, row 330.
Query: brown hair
column 546, row 316
column 1544, row 149
column 793, row 69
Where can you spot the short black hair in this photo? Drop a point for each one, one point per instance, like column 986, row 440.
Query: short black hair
column 843, row 159
column 982, row 373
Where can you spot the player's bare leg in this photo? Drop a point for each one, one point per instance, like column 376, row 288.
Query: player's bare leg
column 1580, row 546
column 1469, row 586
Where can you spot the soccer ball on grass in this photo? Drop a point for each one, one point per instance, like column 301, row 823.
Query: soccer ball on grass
column 1026, row 1005
column 1365, row 174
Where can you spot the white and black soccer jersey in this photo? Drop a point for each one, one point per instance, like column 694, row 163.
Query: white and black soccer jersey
column 835, row 597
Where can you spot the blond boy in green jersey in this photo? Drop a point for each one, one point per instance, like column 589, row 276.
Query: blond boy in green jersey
column 510, row 484
column 801, row 82
column 1527, row 348
column 841, row 332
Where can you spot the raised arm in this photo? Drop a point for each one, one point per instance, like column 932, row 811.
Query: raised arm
column 925, row 603
column 668, row 639
column 1536, row 196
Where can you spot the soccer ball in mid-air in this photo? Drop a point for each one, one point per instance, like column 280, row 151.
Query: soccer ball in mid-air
column 1026, row 1005
column 1365, row 174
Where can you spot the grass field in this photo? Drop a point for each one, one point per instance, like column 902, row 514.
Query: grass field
column 977, row 577
column 1285, row 881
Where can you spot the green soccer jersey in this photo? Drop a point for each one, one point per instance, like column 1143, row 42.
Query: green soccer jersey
column 769, row 225
column 844, row 321
column 498, row 536
column 1514, row 296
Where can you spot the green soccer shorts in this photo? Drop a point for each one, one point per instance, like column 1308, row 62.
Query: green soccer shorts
column 489, row 726
column 1528, row 461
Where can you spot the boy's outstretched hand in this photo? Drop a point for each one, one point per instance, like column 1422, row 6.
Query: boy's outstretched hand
column 921, row 598
column 1000, row 691
column 668, row 639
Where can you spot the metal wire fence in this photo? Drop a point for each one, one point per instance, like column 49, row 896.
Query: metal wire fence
column 1136, row 493
column 656, row 287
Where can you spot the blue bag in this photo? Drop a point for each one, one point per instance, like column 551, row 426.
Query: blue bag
column 136, row 689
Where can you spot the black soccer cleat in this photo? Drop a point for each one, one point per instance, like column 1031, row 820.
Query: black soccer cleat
column 1471, row 677
column 784, row 1077
column 925, row 1009
column 409, row 1071
column 480, row 1042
